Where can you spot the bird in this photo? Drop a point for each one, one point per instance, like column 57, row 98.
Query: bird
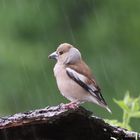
column 74, row 78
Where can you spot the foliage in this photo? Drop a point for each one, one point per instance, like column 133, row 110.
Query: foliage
column 131, row 109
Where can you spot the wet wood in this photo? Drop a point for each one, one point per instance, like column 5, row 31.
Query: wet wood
column 58, row 123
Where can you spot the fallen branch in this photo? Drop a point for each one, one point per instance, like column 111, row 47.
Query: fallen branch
column 58, row 123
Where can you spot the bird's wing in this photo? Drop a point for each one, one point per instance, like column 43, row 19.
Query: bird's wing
column 86, row 83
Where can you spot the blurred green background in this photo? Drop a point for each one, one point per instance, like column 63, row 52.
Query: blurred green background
column 106, row 32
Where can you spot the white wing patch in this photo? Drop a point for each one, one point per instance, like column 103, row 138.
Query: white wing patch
column 77, row 75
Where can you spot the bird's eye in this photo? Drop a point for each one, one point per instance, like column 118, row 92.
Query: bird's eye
column 61, row 52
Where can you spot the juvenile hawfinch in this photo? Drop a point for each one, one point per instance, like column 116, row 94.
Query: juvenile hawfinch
column 74, row 77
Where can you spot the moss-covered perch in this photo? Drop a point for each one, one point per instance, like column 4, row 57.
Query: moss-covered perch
column 57, row 123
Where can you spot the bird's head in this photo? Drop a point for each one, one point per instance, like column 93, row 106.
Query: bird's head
column 66, row 54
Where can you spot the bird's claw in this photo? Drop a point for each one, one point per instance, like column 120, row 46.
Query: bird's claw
column 71, row 105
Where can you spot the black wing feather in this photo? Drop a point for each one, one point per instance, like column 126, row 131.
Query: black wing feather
column 95, row 93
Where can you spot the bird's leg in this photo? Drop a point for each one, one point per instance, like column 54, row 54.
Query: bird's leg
column 72, row 105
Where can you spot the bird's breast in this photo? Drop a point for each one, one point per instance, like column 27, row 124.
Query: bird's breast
column 68, row 88
column 62, row 78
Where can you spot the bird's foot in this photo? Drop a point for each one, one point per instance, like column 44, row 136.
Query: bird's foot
column 71, row 105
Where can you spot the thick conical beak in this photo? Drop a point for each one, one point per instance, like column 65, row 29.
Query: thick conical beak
column 54, row 55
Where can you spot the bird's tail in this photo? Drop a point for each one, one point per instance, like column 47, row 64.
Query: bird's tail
column 108, row 109
column 103, row 103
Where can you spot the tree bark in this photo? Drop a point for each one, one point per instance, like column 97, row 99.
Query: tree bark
column 58, row 123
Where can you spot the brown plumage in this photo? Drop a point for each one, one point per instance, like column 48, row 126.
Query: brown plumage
column 74, row 78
